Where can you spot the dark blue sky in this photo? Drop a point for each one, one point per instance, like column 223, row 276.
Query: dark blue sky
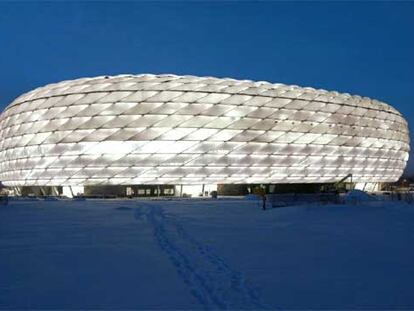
column 364, row 48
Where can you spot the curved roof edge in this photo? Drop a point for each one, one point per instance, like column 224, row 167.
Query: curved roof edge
column 230, row 86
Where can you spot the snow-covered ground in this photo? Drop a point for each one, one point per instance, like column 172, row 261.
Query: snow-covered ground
column 205, row 254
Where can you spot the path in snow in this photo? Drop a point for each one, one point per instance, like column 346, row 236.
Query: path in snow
column 189, row 254
column 211, row 280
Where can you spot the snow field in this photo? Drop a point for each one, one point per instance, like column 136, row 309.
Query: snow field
column 205, row 254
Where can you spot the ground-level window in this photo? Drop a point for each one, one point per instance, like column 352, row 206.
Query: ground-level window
column 169, row 191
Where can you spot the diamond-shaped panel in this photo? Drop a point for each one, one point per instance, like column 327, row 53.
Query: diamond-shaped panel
column 157, row 129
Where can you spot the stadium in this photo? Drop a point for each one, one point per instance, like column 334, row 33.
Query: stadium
column 146, row 135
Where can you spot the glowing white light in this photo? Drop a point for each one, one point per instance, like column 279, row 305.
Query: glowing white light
column 150, row 129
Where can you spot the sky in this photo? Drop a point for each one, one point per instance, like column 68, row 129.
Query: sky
column 363, row 48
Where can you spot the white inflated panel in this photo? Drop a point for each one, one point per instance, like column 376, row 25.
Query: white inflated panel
column 167, row 129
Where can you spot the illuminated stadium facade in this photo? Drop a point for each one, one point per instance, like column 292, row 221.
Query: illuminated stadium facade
column 164, row 130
